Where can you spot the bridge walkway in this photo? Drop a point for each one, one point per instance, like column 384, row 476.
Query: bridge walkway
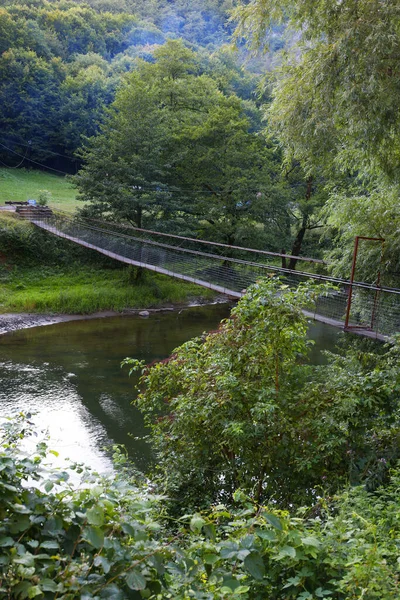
column 375, row 310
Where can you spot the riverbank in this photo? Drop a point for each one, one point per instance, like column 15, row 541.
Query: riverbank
column 15, row 321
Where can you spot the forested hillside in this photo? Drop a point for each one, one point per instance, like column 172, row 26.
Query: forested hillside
column 61, row 62
column 278, row 162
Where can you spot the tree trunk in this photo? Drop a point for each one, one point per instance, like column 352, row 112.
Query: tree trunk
column 296, row 248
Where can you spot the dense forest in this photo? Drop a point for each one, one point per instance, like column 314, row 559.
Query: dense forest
column 254, row 139
column 271, row 477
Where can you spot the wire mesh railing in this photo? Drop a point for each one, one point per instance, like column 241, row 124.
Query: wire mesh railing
column 374, row 311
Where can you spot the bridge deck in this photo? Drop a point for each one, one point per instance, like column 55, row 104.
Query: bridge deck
column 217, row 288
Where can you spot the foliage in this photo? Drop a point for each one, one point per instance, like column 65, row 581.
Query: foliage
column 177, row 150
column 336, row 110
column 44, row 197
column 242, row 409
column 340, row 92
column 45, row 104
column 70, row 533
column 64, row 60
column 370, row 211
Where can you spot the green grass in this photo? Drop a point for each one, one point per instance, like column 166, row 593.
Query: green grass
column 42, row 273
column 86, row 290
column 22, row 184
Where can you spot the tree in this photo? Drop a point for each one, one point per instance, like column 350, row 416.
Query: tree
column 339, row 92
column 176, row 148
column 336, row 104
column 29, row 103
column 241, row 409
column 85, row 93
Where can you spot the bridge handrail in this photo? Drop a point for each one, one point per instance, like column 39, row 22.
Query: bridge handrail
column 315, row 276
column 206, row 242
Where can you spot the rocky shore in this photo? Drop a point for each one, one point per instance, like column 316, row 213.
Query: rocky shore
column 14, row 321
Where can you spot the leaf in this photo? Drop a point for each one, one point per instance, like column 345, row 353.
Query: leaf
column 311, row 541
column 95, row 515
column 27, row 560
column 95, row 536
column 266, row 534
column 128, row 529
column 48, row 486
column 293, row 581
column 48, row 585
column 273, row 520
column 286, row 551
column 6, row 542
column 229, row 550
column 34, row 591
column 210, row 531
column 112, row 592
column 196, row 523
column 103, row 562
column 135, row 580
column 210, row 559
column 255, row 565
column 320, row 593
column 50, row 545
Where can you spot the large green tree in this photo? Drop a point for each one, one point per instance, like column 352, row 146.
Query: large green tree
column 176, row 146
column 241, row 408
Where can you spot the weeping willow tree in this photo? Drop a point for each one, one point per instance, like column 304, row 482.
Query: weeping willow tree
column 335, row 109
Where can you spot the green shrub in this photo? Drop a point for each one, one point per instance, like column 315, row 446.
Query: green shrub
column 109, row 537
column 241, row 408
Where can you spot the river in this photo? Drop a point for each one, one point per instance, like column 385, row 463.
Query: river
column 69, row 376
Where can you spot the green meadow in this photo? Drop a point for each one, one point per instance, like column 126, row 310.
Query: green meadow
column 44, row 274
column 22, row 184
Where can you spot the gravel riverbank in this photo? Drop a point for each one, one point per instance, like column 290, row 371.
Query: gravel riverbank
column 14, row 321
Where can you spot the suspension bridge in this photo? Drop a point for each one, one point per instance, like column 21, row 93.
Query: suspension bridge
column 367, row 309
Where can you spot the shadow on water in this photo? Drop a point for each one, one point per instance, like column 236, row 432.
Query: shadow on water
column 69, row 374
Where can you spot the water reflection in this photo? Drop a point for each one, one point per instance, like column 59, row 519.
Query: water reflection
column 69, row 374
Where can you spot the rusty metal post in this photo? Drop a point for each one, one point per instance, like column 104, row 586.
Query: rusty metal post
column 353, row 270
column 378, row 292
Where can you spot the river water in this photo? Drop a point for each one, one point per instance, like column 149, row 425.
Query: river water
column 69, row 375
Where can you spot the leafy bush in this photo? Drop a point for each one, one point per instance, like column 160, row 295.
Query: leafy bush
column 111, row 538
column 241, row 408
column 44, row 197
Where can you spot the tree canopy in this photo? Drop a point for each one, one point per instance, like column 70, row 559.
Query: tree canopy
column 335, row 107
column 242, row 409
column 176, row 146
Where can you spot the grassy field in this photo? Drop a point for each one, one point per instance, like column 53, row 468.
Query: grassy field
column 22, row 184
column 84, row 291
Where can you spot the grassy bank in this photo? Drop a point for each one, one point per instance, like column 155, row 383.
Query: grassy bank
column 41, row 273
column 83, row 290
column 22, row 184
